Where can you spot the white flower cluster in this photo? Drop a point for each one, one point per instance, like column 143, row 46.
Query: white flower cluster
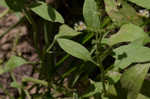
column 144, row 13
column 79, row 26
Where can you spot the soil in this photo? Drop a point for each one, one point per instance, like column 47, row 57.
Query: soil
column 7, row 49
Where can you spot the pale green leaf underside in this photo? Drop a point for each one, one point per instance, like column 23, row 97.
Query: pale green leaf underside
column 133, row 78
column 127, row 33
column 132, row 53
column 114, row 76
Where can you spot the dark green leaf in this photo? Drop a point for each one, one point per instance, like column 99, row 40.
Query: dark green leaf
column 90, row 13
column 47, row 12
column 75, row 49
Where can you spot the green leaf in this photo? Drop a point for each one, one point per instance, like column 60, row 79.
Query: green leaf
column 132, row 53
column 12, row 63
column 133, row 78
column 121, row 12
column 47, row 12
column 66, row 31
column 90, row 13
column 75, row 49
column 142, row 3
column 127, row 33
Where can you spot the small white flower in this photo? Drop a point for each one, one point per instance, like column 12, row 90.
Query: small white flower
column 81, row 23
column 75, row 24
column 144, row 13
column 80, row 26
column 141, row 11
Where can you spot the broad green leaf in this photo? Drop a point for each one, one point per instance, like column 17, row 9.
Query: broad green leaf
column 127, row 33
column 133, row 78
column 90, row 13
column 98, row 88
column 66, row 31
column 13, row 62
column 142, row 3
column 121, row 12
column 75, row 49
column 132, row 53
column 47, row 12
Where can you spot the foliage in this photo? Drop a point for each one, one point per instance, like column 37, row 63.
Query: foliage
column 107, row 54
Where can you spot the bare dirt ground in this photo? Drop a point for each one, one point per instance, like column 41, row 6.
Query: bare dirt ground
column 22, row 48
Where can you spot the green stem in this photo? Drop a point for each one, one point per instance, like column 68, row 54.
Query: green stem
column 32, row 22
column 62, row 60
column 102, row 77
column 52, row 44
column 14, row 79
column 106, row 53
column 98, row 38
column 27, row 93
column 36, row 81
